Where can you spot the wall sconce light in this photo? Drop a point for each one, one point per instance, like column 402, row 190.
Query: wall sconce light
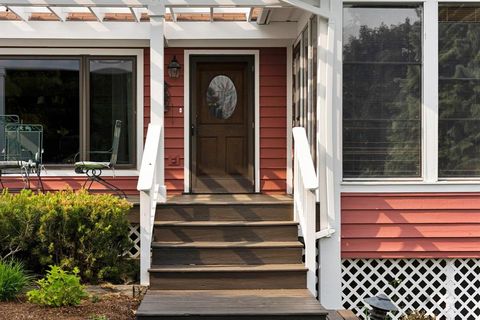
column 174, row 68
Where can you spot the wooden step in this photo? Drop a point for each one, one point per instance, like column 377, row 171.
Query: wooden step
column 221, row 231
column 225, row 212
column 215, row 253
column 221, row 277
column 231, row 305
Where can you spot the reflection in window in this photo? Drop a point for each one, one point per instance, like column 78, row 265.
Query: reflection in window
column 45, row 92
column 111, row 99
column 382, row 92
column 459, row 91
column 221, row 97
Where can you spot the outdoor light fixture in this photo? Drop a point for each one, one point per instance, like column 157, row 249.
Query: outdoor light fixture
column 380, row 304
column 174, row 68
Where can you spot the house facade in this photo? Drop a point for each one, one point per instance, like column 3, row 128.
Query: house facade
column 386, row 92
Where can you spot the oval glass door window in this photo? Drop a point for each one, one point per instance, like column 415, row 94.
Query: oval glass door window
column 221, row 97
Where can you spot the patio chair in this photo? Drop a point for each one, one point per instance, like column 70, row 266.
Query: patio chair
column 22, row 152
column 94, row 169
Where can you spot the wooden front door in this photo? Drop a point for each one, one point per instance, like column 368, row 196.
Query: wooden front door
column 222, row 124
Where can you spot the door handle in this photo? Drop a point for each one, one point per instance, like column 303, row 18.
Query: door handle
column 192, row 130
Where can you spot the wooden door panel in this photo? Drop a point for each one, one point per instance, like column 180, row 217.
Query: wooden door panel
column 222, row 113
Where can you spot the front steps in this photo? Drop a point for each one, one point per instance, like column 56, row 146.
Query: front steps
column 227, row 257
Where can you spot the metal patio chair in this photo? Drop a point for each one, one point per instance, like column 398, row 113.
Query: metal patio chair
column 22, row 152
column 94, row 169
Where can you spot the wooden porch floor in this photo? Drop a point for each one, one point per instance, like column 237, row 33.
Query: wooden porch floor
column 277, row 304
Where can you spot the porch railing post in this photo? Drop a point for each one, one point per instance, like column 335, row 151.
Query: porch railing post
column 157, row 78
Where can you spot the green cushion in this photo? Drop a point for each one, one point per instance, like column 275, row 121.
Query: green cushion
column 89, row 165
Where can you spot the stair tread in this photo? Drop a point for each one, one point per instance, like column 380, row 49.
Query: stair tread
column 225, row 223
column 228, row 199
column 220, row 245
column 228, row 268
column 230, row 302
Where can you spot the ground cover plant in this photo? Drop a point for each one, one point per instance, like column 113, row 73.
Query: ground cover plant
column 14, row 280
column 69, row 229
column 59, row 288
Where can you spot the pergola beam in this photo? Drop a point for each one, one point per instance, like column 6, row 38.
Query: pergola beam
column 145, row 3
column 20, row 12
column 59, row 12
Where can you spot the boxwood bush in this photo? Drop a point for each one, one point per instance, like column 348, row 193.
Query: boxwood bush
column 69, row 229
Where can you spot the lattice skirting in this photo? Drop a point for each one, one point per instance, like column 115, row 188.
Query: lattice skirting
column 134, row 234
column 447, row 288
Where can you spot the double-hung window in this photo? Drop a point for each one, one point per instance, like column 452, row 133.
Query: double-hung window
column 76, row 99
column 459, row 91
column 382, row 96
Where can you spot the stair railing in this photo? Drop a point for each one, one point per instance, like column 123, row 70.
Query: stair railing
column 152, row 191
column 305, row 184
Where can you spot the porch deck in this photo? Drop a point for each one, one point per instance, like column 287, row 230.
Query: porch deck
column 231, row 304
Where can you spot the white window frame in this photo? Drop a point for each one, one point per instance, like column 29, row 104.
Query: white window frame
column 429, row 181
column 138, row 54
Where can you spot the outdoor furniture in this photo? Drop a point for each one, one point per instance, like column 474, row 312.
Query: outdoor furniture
column 22, row 149
column 94, row 169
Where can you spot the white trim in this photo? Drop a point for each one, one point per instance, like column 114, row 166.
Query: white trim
column 430, row 91
column 186, row 101
column 239, row 30
column 289, row 118
column 408, row 187
column 309, row 8
column 237, row 43
column 138, row 53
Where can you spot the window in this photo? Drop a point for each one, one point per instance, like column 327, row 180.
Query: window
column 75, row 99
column 382, row 58
column 305, row 83
column 459, row 91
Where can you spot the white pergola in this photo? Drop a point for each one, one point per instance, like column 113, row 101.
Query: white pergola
column 274, row 20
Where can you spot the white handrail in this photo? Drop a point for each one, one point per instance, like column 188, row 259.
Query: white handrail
column 305, row 183
column 152, row 190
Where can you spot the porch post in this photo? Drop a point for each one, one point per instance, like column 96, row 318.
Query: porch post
column 330, row 69
column 149, row 200
column 157, row 78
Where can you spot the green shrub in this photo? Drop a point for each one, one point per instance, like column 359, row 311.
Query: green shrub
column 13, row 279
column 58, row 288
column 69, row 229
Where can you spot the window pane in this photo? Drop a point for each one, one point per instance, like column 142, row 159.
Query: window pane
column 382, row 92
column 111, row 99
column 459, row 91
column 45, row 92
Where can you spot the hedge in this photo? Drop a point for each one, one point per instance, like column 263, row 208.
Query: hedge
column 69, row 229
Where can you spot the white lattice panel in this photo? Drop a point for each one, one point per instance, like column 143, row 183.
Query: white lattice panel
column 134, row 235
column 447, row 288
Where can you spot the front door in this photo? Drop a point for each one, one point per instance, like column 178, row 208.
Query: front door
column 222, row 124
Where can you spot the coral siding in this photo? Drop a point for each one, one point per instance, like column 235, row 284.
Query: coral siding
column 273, row 102
column 411, row 225
column 127, row 184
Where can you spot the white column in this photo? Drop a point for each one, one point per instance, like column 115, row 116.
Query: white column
column 149, row 199
column 430, row 91
column 157, row 78
column 330, row 248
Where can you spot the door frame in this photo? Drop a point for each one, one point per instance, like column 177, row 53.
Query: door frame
column 187, row 104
